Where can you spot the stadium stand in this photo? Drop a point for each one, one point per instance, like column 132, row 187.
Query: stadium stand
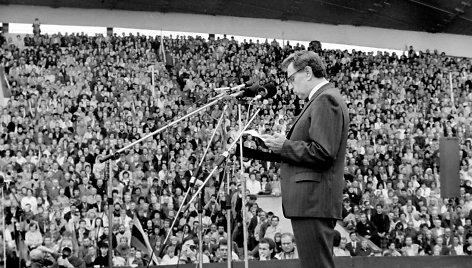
column 76, row 98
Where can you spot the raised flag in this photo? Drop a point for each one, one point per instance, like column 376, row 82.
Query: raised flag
column 5, row 92
column 140, row 240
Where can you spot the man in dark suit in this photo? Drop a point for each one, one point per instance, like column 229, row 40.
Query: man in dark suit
column 312, row 159
column 354, row 244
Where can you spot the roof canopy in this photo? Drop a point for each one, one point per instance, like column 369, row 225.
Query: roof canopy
column 435, row 16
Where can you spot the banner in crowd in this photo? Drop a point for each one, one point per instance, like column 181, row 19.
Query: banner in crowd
column 5, row 92
column 140, row 241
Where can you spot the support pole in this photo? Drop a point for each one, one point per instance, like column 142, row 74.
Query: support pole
column 200, row 231
column 243, row 194
column 228, row 221
column 110, row 215
column 3, row 229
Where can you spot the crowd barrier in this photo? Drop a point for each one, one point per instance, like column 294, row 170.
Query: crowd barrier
column 356, row 262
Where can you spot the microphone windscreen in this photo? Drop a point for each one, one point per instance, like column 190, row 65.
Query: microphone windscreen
column 270, row 89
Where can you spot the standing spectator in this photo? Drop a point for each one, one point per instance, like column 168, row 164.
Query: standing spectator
column 382, row 222
column 273, row 228
column 33, row 237
column 253, row 185
column 367, row 229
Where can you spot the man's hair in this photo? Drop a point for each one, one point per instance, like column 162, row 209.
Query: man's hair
column 223, row 242
column 268, row 241
column 336, row 238
column 303, row 58
column 290, row 235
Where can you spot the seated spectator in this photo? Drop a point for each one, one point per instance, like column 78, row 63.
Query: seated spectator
column 222, row 252
column 391, row 251
column 354, row 244
column 289, row 250
column 364, row 250
column 339, row 245
column 410, row 249
column 266, row 249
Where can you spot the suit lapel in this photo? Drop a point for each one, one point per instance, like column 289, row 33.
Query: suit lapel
column 317, row 93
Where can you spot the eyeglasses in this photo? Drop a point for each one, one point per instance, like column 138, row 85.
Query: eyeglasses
column 291, row 78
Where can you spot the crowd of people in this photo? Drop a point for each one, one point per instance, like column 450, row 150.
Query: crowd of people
column 76, row 99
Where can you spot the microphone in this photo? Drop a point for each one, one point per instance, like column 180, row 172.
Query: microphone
column 235, row 88
column 195, row 174
column 257, row 92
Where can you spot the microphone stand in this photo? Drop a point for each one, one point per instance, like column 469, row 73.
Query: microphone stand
column 222, row 158
column 192, row 180
column 106, row 158
column 116, row 154
column 228, row 207
column 243, row 184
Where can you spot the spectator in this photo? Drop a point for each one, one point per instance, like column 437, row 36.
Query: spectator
column 289, row 250
column 71, row 104
column 102, row 257
column 354, row 244
column 410, row 249
column 222, row 253
column 456, row 248
column 364, row 250
column 273, row 228
column 391, row 251
column 339, row 246
column 33, row 237
column 382, row 222
column 253, row 185
column 170, row 257
column 38, row 258
column 366, row 229
column 266, row 249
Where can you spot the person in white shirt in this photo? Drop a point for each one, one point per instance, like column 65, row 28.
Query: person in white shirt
column 457, row 248
column 340, row 250
column 253, row 185
column 170, row 257
column 31, row 200
column 273, row 228
column 410, row 249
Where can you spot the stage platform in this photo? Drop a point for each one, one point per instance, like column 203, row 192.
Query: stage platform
column 357, row 262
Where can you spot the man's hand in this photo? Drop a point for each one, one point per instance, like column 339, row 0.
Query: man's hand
column 64, row 262
column 274, row 142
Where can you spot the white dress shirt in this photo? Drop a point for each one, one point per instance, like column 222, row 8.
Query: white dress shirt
column 313, row 91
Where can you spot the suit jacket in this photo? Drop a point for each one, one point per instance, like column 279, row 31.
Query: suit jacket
column 352, row 249
column 313, row 157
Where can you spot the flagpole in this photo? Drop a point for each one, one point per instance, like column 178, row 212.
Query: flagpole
column 110, row 215
column 452, row 90
column 153, row 86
